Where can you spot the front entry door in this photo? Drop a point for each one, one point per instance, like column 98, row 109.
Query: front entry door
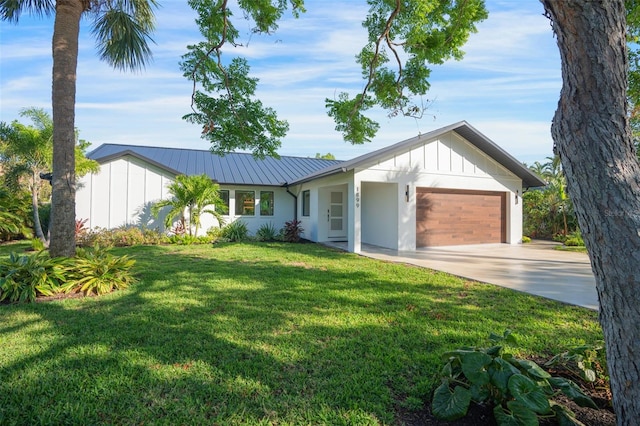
column 336, row 215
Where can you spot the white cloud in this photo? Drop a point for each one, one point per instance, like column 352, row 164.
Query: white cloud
column 506, row 86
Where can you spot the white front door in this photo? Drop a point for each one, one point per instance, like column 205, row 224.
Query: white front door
column 336, row 215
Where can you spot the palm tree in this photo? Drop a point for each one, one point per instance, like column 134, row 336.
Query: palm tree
column 122, row 29
column 26, row 153
column 193, row 196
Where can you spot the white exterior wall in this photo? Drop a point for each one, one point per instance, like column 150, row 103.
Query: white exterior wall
column 124, row 189
column 121, row 194
column 380, row 213
column 447, row 162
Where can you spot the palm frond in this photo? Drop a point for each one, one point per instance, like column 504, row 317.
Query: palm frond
column 10, row 10
column 123, row 33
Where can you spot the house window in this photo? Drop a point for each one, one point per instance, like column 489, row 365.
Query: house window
column 266, row 203
column 224, row 196
column 306, row 203
column 245, row 203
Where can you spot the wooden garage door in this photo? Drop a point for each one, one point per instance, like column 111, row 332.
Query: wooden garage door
column 455, row 217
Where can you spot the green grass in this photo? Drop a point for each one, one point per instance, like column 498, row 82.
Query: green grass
column 577, row 249
column 258, row 333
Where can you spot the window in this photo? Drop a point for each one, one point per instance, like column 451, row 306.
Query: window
column 266, row 203
column 224, row 196
column 245, row 203
column 306, row 203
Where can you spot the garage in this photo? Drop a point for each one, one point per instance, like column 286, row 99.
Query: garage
column 455, row 217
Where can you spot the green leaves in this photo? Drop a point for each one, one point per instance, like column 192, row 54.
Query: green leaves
column 227, row 109
column 25, row 277
column 347, row 113
column 529, row 393
column 405, row 37
column 519, row 389
column 191, row 197
column 450, row 405
column 95, row 271
column 517, row 415
column 233, row 118
column 123, row 32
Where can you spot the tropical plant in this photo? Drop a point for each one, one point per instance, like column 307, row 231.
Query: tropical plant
column 122, row 31
column 235, row 231
column 120, row 237
column 292, row 231
column 192, row 196
column 574, row 239
column 267, row 232
column 27, row 151
column 96, row 271
column 27, row 154
column 585, row 362
column 519, row 390
column 24, row 277
column 15, row 213
column 548, row 212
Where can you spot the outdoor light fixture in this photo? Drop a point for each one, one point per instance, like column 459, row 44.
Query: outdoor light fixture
column 517, row 191
column 406, row 193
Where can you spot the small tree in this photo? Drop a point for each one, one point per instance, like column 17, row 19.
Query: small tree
column 26, row 152
column 193, row 196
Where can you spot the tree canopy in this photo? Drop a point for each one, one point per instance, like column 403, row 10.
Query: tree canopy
column 405, row 38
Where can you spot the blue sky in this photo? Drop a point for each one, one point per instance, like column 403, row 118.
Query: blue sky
column 507, row 85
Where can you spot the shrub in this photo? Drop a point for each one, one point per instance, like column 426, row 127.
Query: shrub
column 37, row 244
column 235, row 231
column 574, row 239
column 267, row 232
column 291, row 231
column 81, row 227
column 24, row 277
column 519, row 390
column 119, row 237
column 186, row 239
column 214, row 233
column 97, row 271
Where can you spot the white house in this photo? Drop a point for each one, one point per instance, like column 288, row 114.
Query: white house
column 450, row 186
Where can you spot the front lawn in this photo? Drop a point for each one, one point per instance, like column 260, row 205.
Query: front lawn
column 259, row 333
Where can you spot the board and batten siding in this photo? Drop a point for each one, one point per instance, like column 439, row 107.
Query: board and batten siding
column 446, row 162
column 122, row 192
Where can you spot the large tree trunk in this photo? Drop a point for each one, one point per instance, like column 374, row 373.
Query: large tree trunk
column 66, row 31
column 593, row 138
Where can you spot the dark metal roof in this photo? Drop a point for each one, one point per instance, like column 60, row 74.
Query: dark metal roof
column 230, row 169
column 464, row 129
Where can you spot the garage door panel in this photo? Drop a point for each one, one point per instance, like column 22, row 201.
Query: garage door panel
column 456, row 217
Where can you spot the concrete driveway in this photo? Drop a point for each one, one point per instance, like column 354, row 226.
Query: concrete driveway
column 534, row 268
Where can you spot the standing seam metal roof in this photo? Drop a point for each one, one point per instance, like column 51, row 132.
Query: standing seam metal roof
column 230, row 169
column 244, row 169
